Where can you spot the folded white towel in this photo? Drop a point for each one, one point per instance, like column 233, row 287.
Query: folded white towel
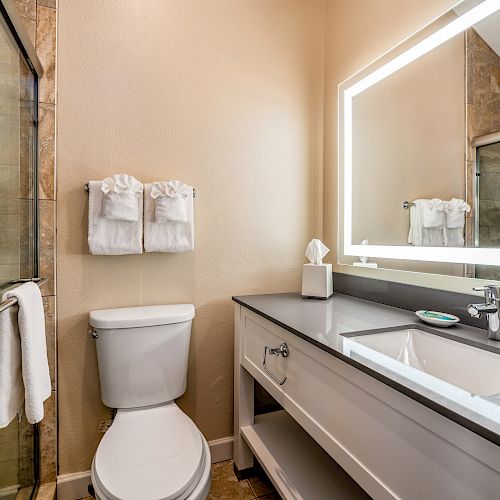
column 167, row 236
column 433, row 212
column 121, row 197
column 170, row 201
column 11, row 377
column 33, row 348
column 455, row 210
column 111, row 237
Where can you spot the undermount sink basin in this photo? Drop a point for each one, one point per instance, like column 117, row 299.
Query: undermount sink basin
column 472, row 369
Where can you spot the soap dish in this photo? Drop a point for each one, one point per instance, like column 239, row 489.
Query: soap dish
column 437, row 318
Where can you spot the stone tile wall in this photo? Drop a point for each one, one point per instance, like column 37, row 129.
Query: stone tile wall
column 40, row 18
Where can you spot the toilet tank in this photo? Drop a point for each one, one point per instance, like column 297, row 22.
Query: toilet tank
column 142, row 353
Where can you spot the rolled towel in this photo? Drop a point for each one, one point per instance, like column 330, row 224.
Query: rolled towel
column 455, row 210
column 170, row 201
column 121, row 197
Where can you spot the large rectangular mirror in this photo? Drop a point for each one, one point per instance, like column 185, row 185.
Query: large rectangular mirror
column 419, row 150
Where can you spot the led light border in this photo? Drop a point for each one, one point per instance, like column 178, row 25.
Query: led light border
column 490, row 256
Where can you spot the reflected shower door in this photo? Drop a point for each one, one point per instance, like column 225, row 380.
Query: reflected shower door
column 488, row 205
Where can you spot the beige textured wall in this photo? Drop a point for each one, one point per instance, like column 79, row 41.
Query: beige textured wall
column 357, row 32
column 408, row 142
column 225, row 95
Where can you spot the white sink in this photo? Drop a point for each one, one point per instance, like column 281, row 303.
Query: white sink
column 472, row 369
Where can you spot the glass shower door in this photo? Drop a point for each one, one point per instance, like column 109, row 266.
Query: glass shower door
column 18, row 234
column 17, row 162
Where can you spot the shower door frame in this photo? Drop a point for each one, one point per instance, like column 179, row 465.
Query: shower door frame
column 477, row 142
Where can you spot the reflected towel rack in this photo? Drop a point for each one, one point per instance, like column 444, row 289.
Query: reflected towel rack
column 86, row 187
column 407, row 205
column 13, row 301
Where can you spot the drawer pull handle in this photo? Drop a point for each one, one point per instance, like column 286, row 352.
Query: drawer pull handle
column 281, row 350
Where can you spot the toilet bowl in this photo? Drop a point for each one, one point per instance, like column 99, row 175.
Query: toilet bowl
column 152, row 451
column 155, row 453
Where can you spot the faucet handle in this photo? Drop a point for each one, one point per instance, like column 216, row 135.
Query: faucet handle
column 473, row 310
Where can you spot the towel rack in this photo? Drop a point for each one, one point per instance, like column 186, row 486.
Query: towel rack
column 13, row 301
column 86, row 187
column 407, row 205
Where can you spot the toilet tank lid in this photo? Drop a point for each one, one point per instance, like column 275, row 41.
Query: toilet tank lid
column 131, row 317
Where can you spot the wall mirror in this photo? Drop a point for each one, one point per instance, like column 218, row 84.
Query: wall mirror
column 419, row 150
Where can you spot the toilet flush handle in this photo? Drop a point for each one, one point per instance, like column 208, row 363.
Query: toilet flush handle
column 282, row 350
column 93, row 333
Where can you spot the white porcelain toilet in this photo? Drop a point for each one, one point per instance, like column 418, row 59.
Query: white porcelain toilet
column 152, row 451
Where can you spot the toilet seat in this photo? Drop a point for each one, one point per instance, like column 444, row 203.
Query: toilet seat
column 150, row 453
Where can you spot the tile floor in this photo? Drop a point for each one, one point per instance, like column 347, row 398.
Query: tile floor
column 225, row 486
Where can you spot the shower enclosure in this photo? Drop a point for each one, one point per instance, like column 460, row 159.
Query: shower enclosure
column 487, row 200
column 19, row 74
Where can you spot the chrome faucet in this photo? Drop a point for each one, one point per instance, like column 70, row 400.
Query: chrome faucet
column 490, row 308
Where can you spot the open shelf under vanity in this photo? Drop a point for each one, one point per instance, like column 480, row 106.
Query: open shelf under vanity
column 295, row 463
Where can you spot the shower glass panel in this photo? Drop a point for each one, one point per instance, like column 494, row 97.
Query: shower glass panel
column 488, row 205
column 18, row 229
column 17, row 162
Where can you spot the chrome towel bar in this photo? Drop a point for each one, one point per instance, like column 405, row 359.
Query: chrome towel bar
column 12, row 302
column 86, row 187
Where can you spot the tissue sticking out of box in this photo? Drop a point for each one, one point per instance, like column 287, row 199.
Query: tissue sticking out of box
column 315, row 251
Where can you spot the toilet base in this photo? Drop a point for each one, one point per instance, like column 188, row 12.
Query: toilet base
column 200, row 491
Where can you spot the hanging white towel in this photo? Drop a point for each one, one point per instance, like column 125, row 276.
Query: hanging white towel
column 170, row 201
column 120, row 201
column 11, row 377
column 419, row 234
column 455, row 210
column 112, row 237
column 168, row 236
column 33, row 348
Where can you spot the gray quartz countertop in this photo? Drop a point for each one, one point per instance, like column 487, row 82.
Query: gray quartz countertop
column 327, row 323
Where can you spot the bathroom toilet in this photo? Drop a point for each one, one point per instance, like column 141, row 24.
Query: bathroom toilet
column 152, row 450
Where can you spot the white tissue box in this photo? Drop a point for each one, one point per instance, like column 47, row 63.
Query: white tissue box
column 317, row 281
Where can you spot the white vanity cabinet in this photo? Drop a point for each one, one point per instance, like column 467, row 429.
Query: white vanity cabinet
column 391, row 445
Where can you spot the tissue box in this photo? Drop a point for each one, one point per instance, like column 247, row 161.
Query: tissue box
column 317, row 281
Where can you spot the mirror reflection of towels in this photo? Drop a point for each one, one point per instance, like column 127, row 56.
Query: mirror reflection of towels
column 437, row 223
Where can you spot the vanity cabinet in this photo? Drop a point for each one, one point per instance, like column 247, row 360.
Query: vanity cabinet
column 389, row 444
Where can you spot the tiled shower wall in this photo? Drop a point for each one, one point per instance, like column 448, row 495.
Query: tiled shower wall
column 483, row 113
column 40, row 17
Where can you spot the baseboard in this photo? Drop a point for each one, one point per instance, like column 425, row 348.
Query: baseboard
column 74, row 486
column 221, row 449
